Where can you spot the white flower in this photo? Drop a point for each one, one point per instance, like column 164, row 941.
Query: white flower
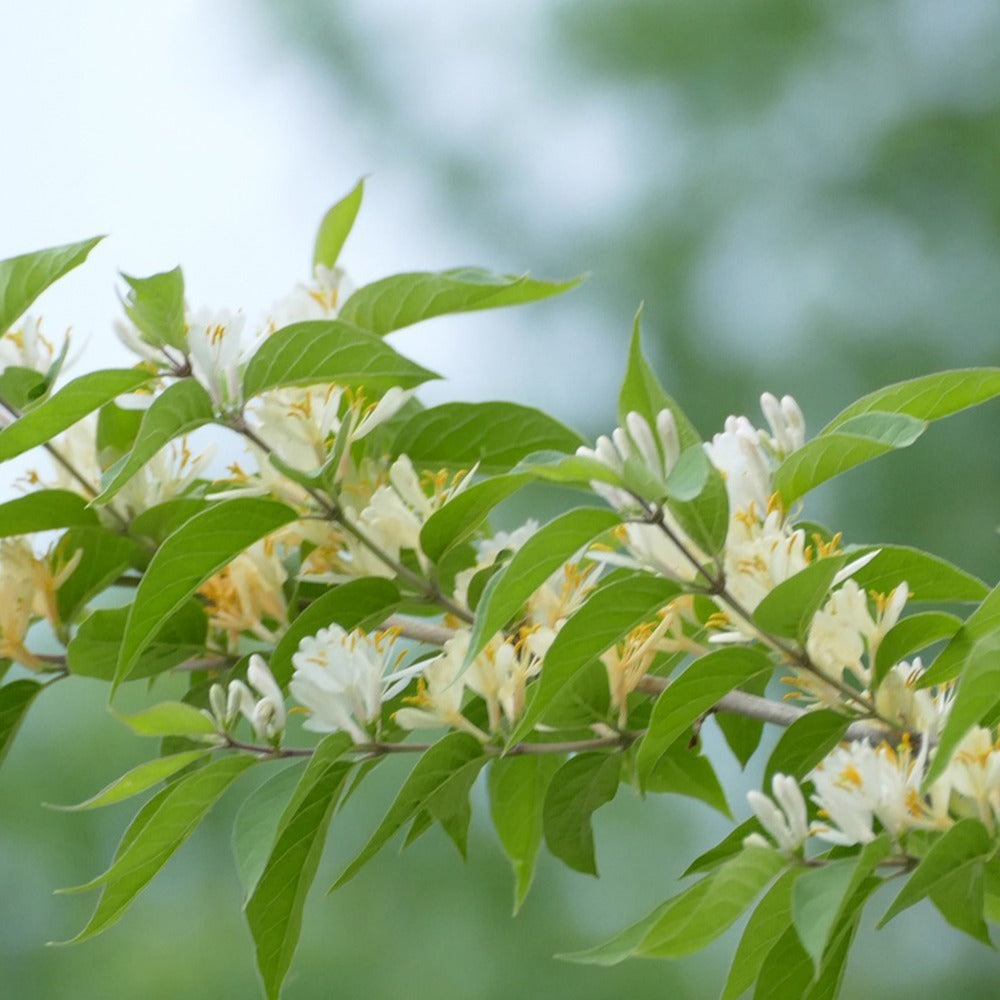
column 320, row 300
column 26, row 346
column 747, row 456
column 499, row 675
column 247, row 591
column 761, row 554
column 342, row 679
column 974, row 774
column 265, row 714
column 215, row 353
column 739, row 455
column 858, row 784
column 844, row 637
column 440, row 691
column 787, row 821
column 921, row 710
column 629, row 661
column 394, row 517
column 636, row 443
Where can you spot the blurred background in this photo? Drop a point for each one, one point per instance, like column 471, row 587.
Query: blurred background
column 804, row 193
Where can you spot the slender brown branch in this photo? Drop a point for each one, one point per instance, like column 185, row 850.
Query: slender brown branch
column 778, row 713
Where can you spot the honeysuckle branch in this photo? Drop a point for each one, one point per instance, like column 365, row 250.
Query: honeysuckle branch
column 717, row 587
column 620, row 741
column 335, row 513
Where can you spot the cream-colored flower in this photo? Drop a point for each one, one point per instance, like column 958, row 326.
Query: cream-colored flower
column 746, row 456
column 216, row 353
column 500, row 674
column 25, row 346
column 974, row 774
column 920, row 710
column 28, row 585
column 319, row 300
column 266, row 714
column 629, row 661
column 761, row 554
column 440, row 691
column 343, row 678
column 246, row 592
column 656, row 451
column 784, row 818
column 860, row 783
column 844, row 636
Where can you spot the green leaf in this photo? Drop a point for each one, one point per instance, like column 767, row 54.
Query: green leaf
column 911, row 635
column 449, row 760
column 682, row 930
column 44, row 510
column 517, row 787
column 256, row 825
column 729, row 846
column 966, row 843
column 929, row 397
column 528, row 568
column 15, row 700
column 156, row 306
column 692, row 695
column 179, row 409
column 171, row 718
column 606, row 617
column 928, row 577
column 768, row 922
column 24, row 278
column 818, row 896
column 977, row 695
column 580, row 787
column 178, row 811
column 805, row 743
column 70, row 404
column 336, row 227
column 347, row 605
column 188, row 557
column 857, row 440
column 274, row 909
column 463, row 514
column 492, row 436
column 451, row 808
column 789, row 608
column 642, row 393
column 93, row 650
column 404, row 299
column 104, row 556
column 163, row 519
column 684, row 770
column 960, row 900
column 116, row 432
column 981, row 623
column 316, row 352
column 625, row 943
column 786, row 972
column 705, row 519
column 138, row 780
column 19, row 386
column 555, row 467
column 743, row 735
